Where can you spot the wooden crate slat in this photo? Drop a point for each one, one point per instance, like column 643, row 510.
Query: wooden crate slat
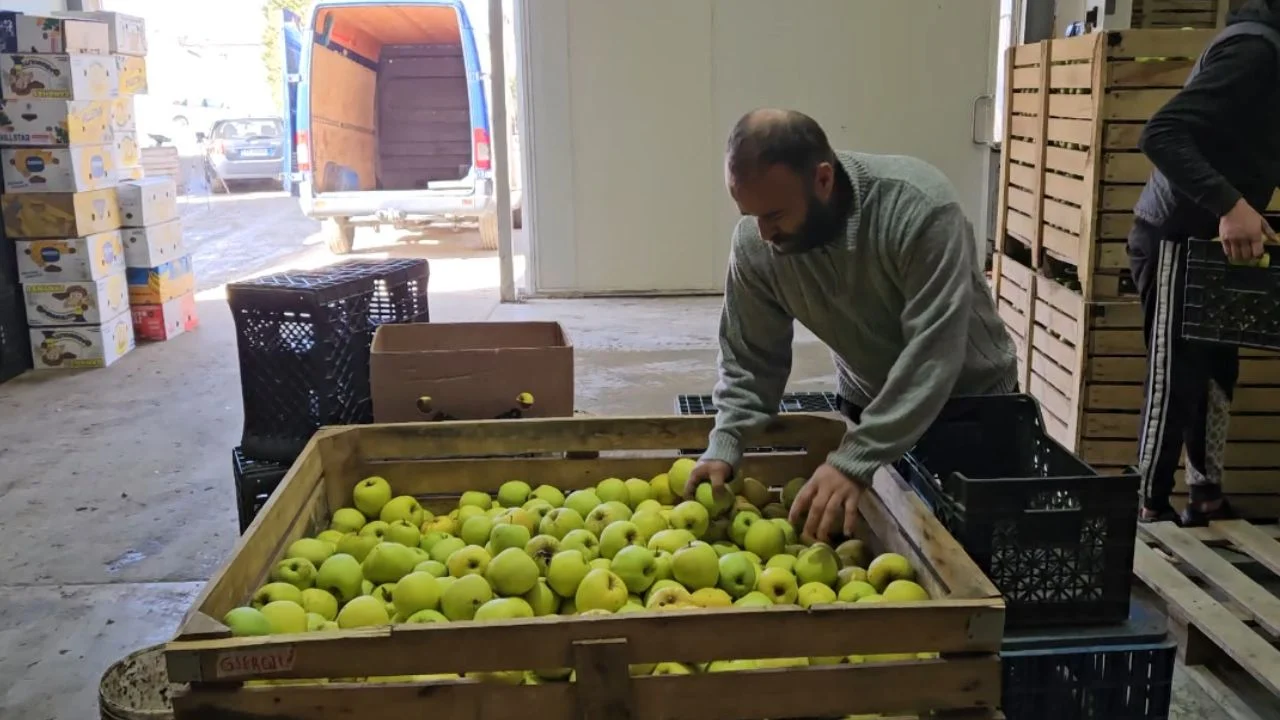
column 1119, row 197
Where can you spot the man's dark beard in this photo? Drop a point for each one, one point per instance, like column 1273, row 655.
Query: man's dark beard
column 824, row 223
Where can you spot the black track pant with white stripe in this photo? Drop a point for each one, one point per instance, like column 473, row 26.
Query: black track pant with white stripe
column 1189, row 384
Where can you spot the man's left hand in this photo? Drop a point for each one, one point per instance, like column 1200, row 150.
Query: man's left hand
column 831, row 500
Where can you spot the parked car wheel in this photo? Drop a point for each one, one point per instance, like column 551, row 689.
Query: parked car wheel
column 517, row 217
column 339, row 236
column 489, row 230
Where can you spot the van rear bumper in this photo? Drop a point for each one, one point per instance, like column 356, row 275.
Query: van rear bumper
column 370, row 205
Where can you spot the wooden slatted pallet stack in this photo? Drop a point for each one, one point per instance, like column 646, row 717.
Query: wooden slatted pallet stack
column 1180, row 13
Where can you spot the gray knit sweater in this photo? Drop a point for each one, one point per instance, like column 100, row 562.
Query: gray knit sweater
column 901, row 302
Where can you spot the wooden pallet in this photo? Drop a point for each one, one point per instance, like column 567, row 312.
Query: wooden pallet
column 1226, row 622
column 1180, row 13
column 439, row 461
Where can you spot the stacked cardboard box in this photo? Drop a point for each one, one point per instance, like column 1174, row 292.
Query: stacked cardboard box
column 58, row 86
column 160, row 277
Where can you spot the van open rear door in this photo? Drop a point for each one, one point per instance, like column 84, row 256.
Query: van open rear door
column 292, row 29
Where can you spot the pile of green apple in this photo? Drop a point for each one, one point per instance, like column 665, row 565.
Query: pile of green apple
column 623, row 546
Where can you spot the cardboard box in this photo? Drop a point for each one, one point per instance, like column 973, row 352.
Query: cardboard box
column 154, row 245
column 149, row 201
column 126, row 34
column 471, row 371
column 164, row 322
column 159, row 285
column 86, row 167
column 132, row 72
column 127, row 153
column 55, row 123
column 91, row 346
column 36, row 34
column 91, row 302
column 71, row 260
column 60, row 215
column 58, row 77
column 126, row 174
column 124, row 118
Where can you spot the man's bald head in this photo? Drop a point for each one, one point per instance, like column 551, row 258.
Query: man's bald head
column 767, row 137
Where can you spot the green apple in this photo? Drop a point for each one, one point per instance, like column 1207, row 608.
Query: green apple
column 853, row 553
column 583, row 541
column 416, row 591
column 791, row 490
column 514, row 493
column 384, row 592
column 366, row 587
column 364, row 611
column 441, row 551
column 445, row 524
column 542, row 599
column 779, row 585
column 849, row 574
column 647, row 505
column 357, row 546
column 494, row 511
column 388, row 562
column 717, row 502
column 423, row 617
column 889, row 567
column 582, row 501
column 330, row 536
column 795, row 549
column 718, row 530
column 371, row 495
column 319, row 602
column 512, row 572
column 618, row 535
column 662, row 565
column 774, row 511
column 660, row 489
column 741, row 523
column 298, row 572
column 341, row 575
column 668, row 598
column 561, row 522
column 346, row 520
column 672, row 668
column 636, row 565
column 600, row 590
column 872, row 599
column 567, row 607
column 637, row 491
column 404, row 507
column 542, row 548
column 466, row 512
column 419, row 555
column 376, row 529
column 403, row 532
column 538, row 509
column 724, row 548
column 764, row 538
column 696, row 566
column 605, row 515
column 658, row 585
column 712, row 597
column 566, row 571
column 815, row 593
column 315, row 622
column 818, row 564
column 470, row 560
column 678, row 475
column 518, row 516
column 787, row 528
column 601, row 563
column 737, row 574
column 274, row 591
column 428, row 540
column 476, row 499
column 692, row 516
column 549, row 494
column 904, row 591
column 756, row 492
column 508, row 536
column 670, row 540
column 786, row 562
column 855, row 591
column 432, row 567
column 649, row 522
column 246, row 622
column 464, row 596
column 612, row 490
column 285, row 616
column 476, row 530
column 504, row 608
column 753, row 599
column 312, row 550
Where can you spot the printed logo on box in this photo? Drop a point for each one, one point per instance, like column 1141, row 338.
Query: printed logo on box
column 239, row 663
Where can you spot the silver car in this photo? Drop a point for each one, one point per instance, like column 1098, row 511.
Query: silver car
column 246, row 149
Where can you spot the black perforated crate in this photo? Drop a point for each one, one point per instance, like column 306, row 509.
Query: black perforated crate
column 1231, row 304
column 255, row 481
column 1053, row 535
column 400, row 289
column 791, row 403
column 15, row 340
column 1101, row 672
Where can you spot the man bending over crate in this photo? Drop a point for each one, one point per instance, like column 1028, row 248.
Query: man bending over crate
column 1216, row 150
column 873, row 253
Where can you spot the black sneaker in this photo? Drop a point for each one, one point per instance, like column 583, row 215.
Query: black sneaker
column 1165, row 514
column 1193, row 516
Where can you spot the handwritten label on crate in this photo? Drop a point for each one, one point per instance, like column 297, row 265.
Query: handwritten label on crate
column 240, row 663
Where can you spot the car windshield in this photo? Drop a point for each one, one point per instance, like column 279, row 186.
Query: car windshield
column 248, row 129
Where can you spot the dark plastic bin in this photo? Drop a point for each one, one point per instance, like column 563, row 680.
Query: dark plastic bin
column 1230, row 304
column 1110, row 672
column 1053, row 535
column 255, row 481
column 15, row 339
column 399, row 289
column 791, row 403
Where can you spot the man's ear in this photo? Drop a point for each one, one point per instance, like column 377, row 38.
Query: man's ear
column 824, row 180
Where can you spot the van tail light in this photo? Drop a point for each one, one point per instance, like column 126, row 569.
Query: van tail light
column 483, row 160
column 220, row 147
column 302, row 147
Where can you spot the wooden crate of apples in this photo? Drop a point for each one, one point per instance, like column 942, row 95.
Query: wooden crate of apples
column 396, row 570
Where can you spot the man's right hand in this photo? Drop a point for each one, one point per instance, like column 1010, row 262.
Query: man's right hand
column 1241, row 231
column 717, row 472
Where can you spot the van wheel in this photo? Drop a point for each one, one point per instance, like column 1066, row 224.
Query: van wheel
column 517, row 218
column 339, row 236
column 489, row 230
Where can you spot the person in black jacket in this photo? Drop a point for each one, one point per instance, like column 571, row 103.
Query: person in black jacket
column 1216, row 151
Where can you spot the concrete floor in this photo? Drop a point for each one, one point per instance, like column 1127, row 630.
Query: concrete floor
column 116, row 497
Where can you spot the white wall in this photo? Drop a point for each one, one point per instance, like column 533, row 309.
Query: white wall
column 35, row 6
column 630, row 100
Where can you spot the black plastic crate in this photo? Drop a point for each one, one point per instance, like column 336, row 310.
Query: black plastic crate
column 1053, row 535
column 400, row 289
column 1110, row 672
column 255, row 481
column 15, row 339
column 791, row 403
column 1231, row 304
